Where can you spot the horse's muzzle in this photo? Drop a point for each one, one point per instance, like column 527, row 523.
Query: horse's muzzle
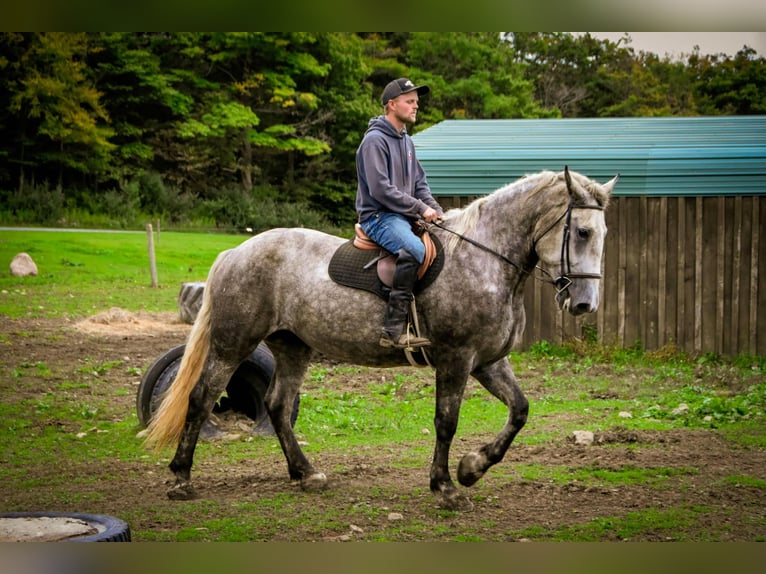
column 565, row 303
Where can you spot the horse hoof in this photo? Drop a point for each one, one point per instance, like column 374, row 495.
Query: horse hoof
column 470, row 469
column 455, row 502
column 182, row 491
column 314, row 482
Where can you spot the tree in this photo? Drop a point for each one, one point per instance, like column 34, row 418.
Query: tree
column 473, row 75
column 256, row 94
column 68, row 125
column 727, row 85
column 141, row 95
column 574, row 74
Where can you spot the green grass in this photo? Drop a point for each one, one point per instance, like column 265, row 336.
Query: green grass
column 662, row 524
column 82, row 273
column 70, row 417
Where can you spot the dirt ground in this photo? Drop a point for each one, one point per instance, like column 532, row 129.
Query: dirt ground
column 370, row 495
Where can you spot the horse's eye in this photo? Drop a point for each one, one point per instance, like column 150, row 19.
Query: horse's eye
column 583, row 233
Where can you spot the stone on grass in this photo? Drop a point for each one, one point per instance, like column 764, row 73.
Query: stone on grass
column 23, row 266
column 583, row 437
column 681, row 409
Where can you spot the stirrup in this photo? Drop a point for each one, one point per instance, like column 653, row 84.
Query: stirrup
column 406, row 341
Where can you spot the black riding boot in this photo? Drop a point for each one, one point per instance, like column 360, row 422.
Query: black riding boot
column 395, row 329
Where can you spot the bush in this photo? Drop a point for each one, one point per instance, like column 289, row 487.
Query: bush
column 38, row 203
column 120, row 206
column 160, row 200
column 259, row 210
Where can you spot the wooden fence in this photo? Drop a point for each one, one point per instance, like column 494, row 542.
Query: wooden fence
column 677, row 270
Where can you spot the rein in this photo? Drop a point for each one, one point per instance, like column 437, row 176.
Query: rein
column 480, row 246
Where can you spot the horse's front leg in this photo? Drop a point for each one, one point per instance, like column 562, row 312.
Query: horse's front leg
column 450, row 384
column 499, row 380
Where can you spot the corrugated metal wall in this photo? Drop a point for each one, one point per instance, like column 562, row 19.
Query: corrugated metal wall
column 654, row 156
column 685, row 256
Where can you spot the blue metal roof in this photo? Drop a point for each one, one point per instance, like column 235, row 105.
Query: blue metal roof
column 671, row 156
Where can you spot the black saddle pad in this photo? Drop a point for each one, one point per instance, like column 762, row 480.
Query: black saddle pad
column 348, row 262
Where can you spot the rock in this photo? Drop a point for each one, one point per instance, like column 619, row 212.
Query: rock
column 681, row 409
column 583, row 437
column 23, row 266
column 625, row 415
column 395, row 516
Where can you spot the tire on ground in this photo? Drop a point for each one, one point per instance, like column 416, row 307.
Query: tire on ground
column 47, row 526
column 245, row 390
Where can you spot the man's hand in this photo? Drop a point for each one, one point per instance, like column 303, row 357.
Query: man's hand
column 430, row 215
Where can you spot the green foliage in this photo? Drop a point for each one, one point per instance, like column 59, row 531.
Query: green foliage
column 37, row 204
column 203, row 112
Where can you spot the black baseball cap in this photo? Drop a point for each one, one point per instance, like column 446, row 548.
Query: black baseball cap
column 401, row 86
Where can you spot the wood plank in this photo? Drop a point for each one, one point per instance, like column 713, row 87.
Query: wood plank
column 720, row 275
column 649, row 295
column 668, row 294
column 622, row 272
column 640, row 237
column 710, row 275
column 733, row 300
column 743, row 308
column 698, row 274
column 681, row 273
column 662, row 251
column 753, row 346
column 609, row 308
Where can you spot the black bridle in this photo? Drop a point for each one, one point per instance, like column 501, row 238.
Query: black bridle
column 564, row 280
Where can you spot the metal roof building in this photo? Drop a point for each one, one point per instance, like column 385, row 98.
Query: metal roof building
column 667, row 156
column 685, row 256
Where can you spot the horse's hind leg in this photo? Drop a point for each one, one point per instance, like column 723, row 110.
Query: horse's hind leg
column 499, row 380
column 211, row 384
column 291, row 357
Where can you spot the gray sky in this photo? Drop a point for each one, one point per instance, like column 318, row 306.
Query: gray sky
column 676, row 43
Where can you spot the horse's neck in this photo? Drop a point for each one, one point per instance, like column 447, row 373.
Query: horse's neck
column 511, row 220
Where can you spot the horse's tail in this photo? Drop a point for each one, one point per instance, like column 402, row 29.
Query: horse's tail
column 167, row 423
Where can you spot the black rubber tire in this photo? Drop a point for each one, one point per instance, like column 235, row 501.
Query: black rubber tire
column 245, row 391
column 110, row 529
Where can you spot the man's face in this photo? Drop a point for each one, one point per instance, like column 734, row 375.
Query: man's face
column 405, row 107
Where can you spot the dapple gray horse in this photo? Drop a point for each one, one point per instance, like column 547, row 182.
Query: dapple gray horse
column 275, row 288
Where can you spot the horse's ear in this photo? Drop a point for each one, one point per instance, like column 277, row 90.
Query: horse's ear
column 609, row 185
column 568, row 179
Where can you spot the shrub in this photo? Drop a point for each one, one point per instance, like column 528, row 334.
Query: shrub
column 38, row 203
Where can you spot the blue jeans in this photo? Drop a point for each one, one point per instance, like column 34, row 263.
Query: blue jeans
column 394, row 232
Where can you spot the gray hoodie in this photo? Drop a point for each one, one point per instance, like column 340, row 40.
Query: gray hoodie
column 389, row 174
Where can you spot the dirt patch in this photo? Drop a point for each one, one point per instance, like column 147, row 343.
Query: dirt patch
column 117, row 322
column 374, row 493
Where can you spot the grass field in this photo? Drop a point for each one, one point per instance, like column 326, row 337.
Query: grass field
column 680, row 450
column 84, row 272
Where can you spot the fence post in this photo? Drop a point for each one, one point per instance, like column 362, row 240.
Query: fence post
column 152, row 260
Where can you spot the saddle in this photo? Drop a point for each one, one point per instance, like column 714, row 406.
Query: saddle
column 363, row 264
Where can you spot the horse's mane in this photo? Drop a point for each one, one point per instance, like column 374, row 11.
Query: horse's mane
column 464, row 220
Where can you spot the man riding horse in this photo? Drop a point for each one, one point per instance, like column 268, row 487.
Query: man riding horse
column 392, row 193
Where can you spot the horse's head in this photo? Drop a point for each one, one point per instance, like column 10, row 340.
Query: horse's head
column 570, row 247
